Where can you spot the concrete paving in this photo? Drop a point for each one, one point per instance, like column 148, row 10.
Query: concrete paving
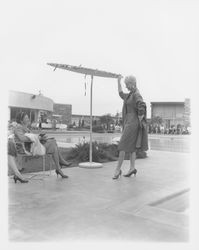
column 91, row 206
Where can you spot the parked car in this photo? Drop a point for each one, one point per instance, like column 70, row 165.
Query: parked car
column 117, row 128
column 48, row 125
column 61, row 126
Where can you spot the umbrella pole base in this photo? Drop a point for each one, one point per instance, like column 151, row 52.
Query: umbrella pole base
column 90, row 165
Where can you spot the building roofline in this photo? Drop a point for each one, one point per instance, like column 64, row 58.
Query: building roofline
column 166, row 102
column 62, row 103
column 43, row 109
column 22, row 92
column 86, row 115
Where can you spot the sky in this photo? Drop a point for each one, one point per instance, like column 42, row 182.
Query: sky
column 153, row 40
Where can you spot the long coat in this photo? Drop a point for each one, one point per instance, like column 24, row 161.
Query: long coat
column 134, row 134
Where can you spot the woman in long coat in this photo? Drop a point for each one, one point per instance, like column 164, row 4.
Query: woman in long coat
column 134, row 135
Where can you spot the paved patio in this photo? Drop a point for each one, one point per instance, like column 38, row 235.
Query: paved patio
column 153, row 206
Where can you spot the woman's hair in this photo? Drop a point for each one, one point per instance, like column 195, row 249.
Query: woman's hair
column 20, row 116
column 130, row 79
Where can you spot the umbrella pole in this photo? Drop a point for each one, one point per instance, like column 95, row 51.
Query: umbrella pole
column 90, row 164
column 91, row 123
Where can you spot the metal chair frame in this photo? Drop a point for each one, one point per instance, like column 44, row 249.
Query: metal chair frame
column 24, row 155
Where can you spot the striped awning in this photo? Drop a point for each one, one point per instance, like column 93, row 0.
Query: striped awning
column 83, row 70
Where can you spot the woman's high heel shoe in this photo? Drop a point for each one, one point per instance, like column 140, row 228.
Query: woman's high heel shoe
column 118, row 175
column 134, row 171
column 59, row 172
column 16, row 178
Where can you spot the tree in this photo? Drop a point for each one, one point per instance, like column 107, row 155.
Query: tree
column 117, row 118
column 82, row 122
column 94, row 122
column 79, row 125
column 156, row 120
column 106, row 120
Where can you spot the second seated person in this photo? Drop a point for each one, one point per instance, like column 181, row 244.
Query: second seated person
column 50, row 144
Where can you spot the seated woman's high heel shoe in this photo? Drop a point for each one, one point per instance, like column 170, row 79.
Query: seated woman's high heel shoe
column 134, row 171
column 16, row 178
column 59, row 172
column 118, row 175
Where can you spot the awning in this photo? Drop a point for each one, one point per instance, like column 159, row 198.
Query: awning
column 85, row 71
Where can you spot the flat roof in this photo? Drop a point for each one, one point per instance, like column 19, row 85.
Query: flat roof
column 167, row 103
column 64, row 104
column 20, row 99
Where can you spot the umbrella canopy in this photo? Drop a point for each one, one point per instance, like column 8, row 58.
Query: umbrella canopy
column 85, row 71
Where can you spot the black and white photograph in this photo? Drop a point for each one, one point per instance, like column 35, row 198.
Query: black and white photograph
column 98, row 102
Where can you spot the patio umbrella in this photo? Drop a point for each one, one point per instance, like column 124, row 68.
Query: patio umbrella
column 92, row 73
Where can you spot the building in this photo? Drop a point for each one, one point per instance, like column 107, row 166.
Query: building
column 84, row 120
column 78, row 120
column 172, row 113
column 187, row 112
column 34, row 105
column 62, row 113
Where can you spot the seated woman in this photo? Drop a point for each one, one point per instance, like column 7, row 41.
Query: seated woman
column 49, row 143
column 12, row 154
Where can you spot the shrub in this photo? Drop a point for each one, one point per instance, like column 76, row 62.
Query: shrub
column 141, row 154
column 98, row 129
column 101, row 152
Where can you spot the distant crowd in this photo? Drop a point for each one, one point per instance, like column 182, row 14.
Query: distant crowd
column 173, row 130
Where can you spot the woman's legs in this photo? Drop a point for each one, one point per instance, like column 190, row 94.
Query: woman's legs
column 12, row 164
column 55, row 156
column 132, row 161
column 120, row 161
column 51, row 148
column 62, row 161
